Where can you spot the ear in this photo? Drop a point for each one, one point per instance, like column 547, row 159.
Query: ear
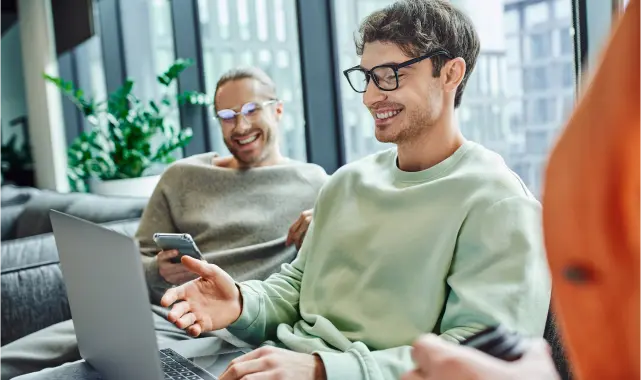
column 279, row 109
column 452, row 73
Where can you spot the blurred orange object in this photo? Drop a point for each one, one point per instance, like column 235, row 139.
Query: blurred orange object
column 591, row 215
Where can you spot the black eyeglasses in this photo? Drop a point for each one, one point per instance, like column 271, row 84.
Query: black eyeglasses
column 385, row 76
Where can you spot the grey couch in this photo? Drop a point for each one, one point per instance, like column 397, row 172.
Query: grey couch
column 33, row 295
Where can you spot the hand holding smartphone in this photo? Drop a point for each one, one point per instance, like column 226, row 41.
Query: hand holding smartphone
column 183, row 243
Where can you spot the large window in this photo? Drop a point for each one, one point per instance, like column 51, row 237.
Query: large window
column 358, row 126
column 84, row 66
column 260, row 33
column 519, row 94
column 148, row 43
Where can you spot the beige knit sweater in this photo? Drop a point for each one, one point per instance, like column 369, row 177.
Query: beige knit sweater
column 238, row 218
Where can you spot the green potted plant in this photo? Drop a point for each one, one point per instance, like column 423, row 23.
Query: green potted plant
column 128, row 137
column 17, row 164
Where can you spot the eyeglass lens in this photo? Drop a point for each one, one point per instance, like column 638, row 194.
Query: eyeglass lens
column 246, row 110
column 384, row 76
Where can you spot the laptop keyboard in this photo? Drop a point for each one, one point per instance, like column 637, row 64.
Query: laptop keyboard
column 176, row 367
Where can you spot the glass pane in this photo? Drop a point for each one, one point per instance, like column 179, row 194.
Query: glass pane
column 513, row 49
column 563, row 10
column 519, row 95
column 535, row 78
column 537, row 14
column 149, row 44
column 261, row 33
column 96, row 68
column 511, row 21
column 539, row 46
column 148, row 40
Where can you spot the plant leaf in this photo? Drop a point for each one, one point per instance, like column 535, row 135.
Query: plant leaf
column 174, row 71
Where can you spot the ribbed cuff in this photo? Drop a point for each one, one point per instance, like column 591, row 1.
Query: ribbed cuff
column 155, row 282
column 251, row 309
column 344, row 365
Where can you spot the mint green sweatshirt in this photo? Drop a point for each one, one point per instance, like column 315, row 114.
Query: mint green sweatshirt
column 390, row 255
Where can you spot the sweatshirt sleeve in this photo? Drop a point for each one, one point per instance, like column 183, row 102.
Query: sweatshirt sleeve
column 498, row 275
column 359, row 363
column 275, row 301
column 155, row 218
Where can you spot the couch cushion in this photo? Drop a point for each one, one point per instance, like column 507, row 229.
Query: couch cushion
column 34, row 220
column 33, row 295
column 9, row 221
column 15, row 195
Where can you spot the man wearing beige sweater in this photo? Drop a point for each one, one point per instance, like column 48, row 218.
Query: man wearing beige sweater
column 238, row 209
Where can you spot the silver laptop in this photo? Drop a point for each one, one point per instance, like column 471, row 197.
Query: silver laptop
column 109, row 302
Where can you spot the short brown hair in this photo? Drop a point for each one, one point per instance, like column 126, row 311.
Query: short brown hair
column 420, row 26
column 246, row 73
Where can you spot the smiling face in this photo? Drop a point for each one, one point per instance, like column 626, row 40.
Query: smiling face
column 407, row 112
column 252, row 140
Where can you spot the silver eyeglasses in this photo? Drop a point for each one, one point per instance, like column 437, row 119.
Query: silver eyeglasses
column 248, row 111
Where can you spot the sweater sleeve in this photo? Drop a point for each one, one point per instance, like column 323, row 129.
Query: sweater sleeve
column 498, row 275
column 155, row 218
column 275, row 301
column 359, row 363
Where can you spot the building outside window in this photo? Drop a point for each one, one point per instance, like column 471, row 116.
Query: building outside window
column 262, row 33
column 148, row 43
column 519, row 95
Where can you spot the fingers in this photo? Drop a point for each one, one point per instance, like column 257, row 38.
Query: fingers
column 296, row 237
column 167, row 255
column 242, row 369
column 249, row 363
column 538, row 347
column 295, row 232
column 292, row 231
column 176, row 274
column 426, row 348
column 172, row 295
column 413, row 375
column 200, row 267
column 299, row 241
column 178, row 311
column 194, row 330
column 254, row 354
column 186, row 321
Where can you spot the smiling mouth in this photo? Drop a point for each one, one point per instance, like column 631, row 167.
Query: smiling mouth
column 386, row 115
column 247, row 140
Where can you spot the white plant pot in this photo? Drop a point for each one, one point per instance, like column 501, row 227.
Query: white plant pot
column 130, row 187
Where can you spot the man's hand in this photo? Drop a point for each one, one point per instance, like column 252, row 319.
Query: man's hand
column 298, row 230
column 437, row 359
column 210, row 302
column 173, row 273
column 270, row 363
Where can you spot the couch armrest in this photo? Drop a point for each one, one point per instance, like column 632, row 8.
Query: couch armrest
column 33, row 297
column 33, row 294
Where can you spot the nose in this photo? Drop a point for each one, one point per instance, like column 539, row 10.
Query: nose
column 373, row 94
column 242, row 124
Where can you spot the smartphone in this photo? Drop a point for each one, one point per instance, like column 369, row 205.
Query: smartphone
column 499, row 342
column 183, row 243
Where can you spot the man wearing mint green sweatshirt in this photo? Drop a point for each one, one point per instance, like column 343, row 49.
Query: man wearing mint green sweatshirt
column 436, row 235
